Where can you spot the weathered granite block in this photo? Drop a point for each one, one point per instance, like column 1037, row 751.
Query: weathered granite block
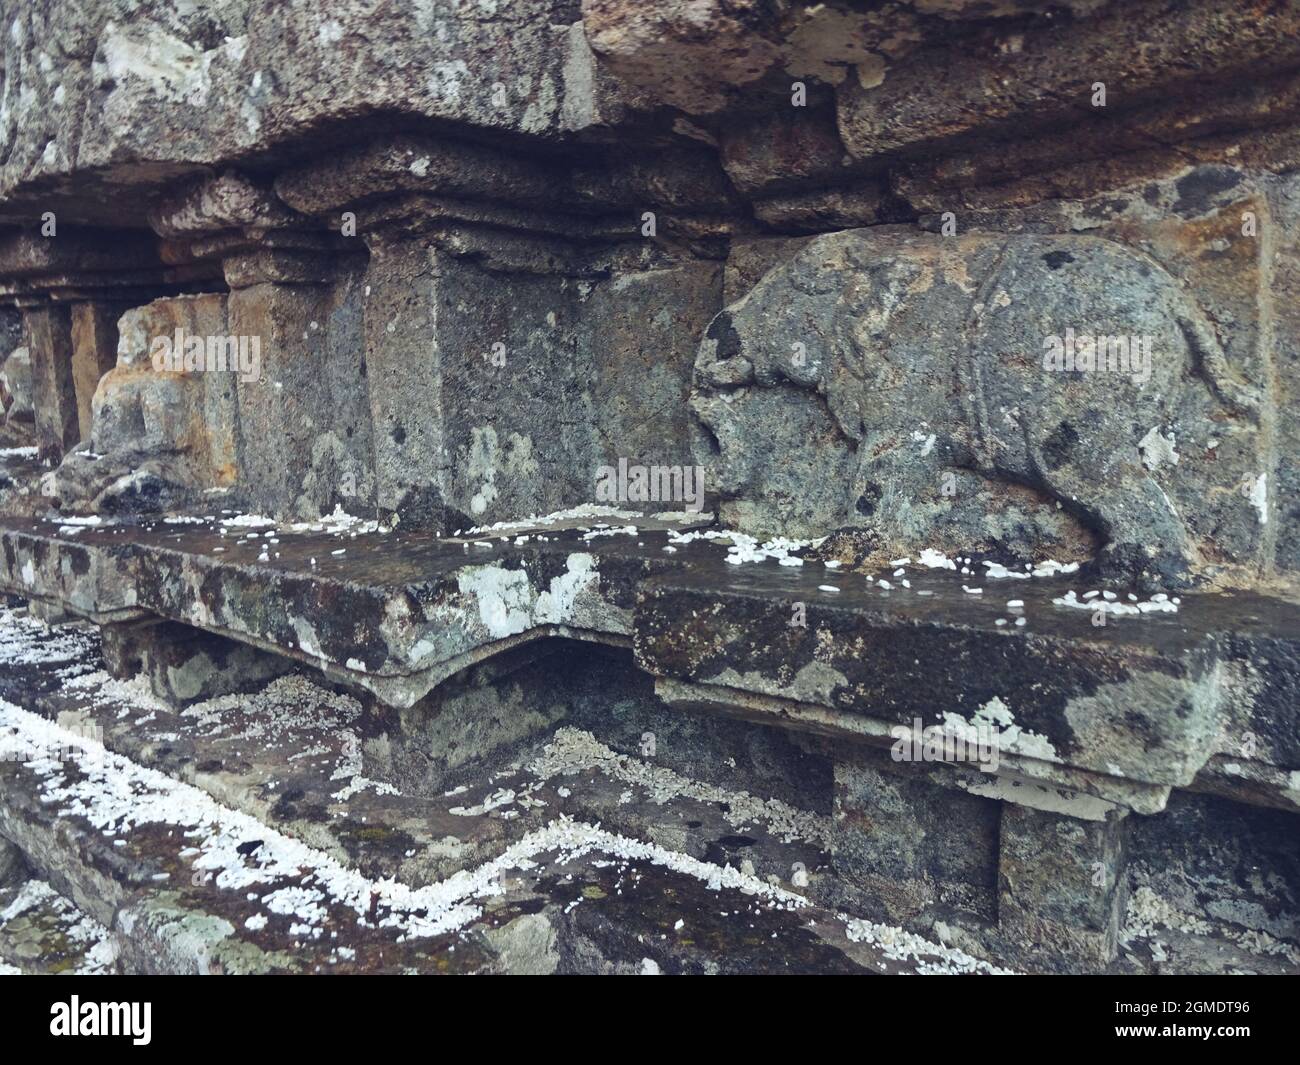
column 1224, row 863
column 635, row 339
column 517, row 422
column 909, row 850
column 404, row 376
column 470, row 724
column 1285, row 231
column 1049, row 74
column 16, row 393
column 1060, row 884
column 123, row 645
column 498, row 395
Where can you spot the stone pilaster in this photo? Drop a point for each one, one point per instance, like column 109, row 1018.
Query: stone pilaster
column 305, row 440
column 47, row 332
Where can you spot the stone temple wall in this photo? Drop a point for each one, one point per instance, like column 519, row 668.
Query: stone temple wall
column 929, row 290
column 466, row 303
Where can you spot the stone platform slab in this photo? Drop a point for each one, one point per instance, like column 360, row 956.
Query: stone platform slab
column 1099, row 702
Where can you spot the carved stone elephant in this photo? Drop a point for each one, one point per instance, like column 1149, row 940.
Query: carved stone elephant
column 859, row 378
column 158, row 439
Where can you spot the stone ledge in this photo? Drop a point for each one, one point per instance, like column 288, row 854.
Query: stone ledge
column 1121, row 712
column 1116, row 714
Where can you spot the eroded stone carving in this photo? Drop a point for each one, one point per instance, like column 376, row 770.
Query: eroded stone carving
column 861, row 383
column 159, row 437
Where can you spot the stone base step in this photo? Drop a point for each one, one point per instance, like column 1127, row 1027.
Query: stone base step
column 243, row 834
column 281, row 857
